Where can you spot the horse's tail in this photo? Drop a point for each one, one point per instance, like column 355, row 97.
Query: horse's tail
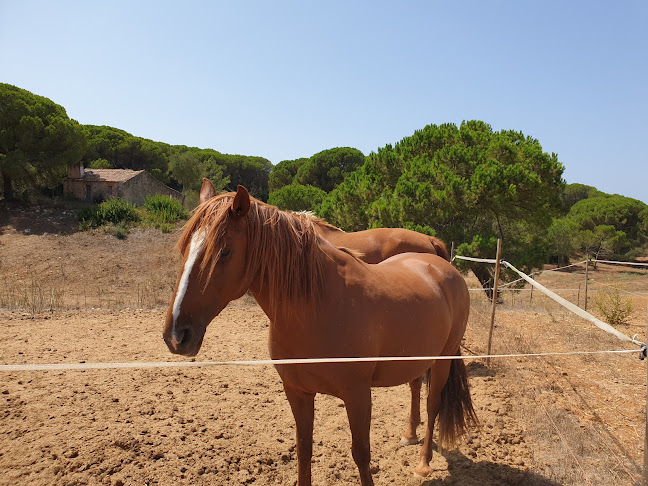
column 440, row 248
column 456, row 413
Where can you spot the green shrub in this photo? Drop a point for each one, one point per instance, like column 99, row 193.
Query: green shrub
column 88, row 218
column 116, row 215
column 114, row 211
column 614, row 309
column 117, row 211
column 164, row 209
column 120, row 231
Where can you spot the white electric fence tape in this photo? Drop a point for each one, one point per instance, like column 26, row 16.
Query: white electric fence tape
column 564, row 302
column 572, row 307
column 621, row 263
column 266, row 362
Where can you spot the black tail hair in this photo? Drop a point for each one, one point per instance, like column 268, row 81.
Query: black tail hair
column 456, row 413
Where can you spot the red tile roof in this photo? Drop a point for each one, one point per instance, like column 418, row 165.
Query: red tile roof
column 110, row 175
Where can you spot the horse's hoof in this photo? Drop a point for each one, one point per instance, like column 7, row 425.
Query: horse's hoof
column 423, row 471
column 406, row 441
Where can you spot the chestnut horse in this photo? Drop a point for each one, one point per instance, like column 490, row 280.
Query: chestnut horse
column 378, row 244
column 323, row 302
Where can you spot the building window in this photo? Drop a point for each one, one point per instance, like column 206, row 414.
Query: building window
column 88, row 192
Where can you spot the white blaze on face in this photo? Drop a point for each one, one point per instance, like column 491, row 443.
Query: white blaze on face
column 195, row 247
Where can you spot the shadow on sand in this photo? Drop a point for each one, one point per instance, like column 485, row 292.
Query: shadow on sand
column 466, row 472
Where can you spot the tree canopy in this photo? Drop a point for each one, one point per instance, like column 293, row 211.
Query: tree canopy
column 467, row 185
column 37, row 140
column 297, row 197
column 124, row 151
column 283, row 174
column 577, row 192
column 187, row 169
column 328, row 168
column 324, row 170
column 602, row 225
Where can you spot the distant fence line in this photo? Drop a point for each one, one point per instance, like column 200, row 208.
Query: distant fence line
column 564, row 302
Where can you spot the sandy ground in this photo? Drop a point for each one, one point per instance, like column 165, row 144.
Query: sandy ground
column 69, row 297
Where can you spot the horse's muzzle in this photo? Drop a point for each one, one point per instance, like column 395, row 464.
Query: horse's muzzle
column 182, row 340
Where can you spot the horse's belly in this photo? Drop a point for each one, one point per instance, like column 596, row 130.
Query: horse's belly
column 394, row 373
column 328, row 378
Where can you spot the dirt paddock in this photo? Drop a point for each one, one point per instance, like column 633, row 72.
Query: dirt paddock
column 92, row 298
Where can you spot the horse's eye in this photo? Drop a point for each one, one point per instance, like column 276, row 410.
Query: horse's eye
column 224, row 254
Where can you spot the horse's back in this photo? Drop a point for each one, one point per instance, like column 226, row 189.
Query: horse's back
column 379, row 244
column 393, row 241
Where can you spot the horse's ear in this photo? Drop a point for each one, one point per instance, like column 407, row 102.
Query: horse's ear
column 207, row 191
column 241, row 202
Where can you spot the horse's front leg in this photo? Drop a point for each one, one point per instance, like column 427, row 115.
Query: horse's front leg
column 409, row 436
column 303, row 409
column 358, row 407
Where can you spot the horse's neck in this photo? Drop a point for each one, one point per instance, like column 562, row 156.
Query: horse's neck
column 261, row 293
column 336, row 263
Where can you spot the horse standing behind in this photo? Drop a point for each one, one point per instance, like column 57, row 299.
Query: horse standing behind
column 378, row 244
column 324, row 302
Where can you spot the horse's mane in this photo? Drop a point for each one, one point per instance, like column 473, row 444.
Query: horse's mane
column 283, row 249
column 316, row 219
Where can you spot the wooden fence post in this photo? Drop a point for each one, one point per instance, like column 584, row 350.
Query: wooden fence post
column 531, row 298
column 578, row 297
column 586, row 278
column 494, row 297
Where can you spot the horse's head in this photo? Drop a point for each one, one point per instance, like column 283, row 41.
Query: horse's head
column 214, row 250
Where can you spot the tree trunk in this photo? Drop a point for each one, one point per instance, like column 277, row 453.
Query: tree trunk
column 8, row 189
column 485, row 278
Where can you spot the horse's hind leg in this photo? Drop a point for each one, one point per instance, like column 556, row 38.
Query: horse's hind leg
column 409, row 436
column 303, row 409
column 437, row 380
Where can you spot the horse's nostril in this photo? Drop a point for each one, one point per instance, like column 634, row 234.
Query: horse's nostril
column 180, row 337
column 186, row 336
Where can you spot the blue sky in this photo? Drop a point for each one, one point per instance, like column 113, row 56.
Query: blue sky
column 284, row 80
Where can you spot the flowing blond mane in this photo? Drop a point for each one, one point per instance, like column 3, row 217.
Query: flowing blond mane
column 283, row 249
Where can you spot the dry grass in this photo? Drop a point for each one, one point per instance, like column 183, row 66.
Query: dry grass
column 585, row 412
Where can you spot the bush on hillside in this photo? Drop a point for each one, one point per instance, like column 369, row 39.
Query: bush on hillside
column 115, row 211
column 164, row 209
column 159, row 211
column 614, row 308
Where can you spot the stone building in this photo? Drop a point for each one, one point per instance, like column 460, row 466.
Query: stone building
column 130, row 185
